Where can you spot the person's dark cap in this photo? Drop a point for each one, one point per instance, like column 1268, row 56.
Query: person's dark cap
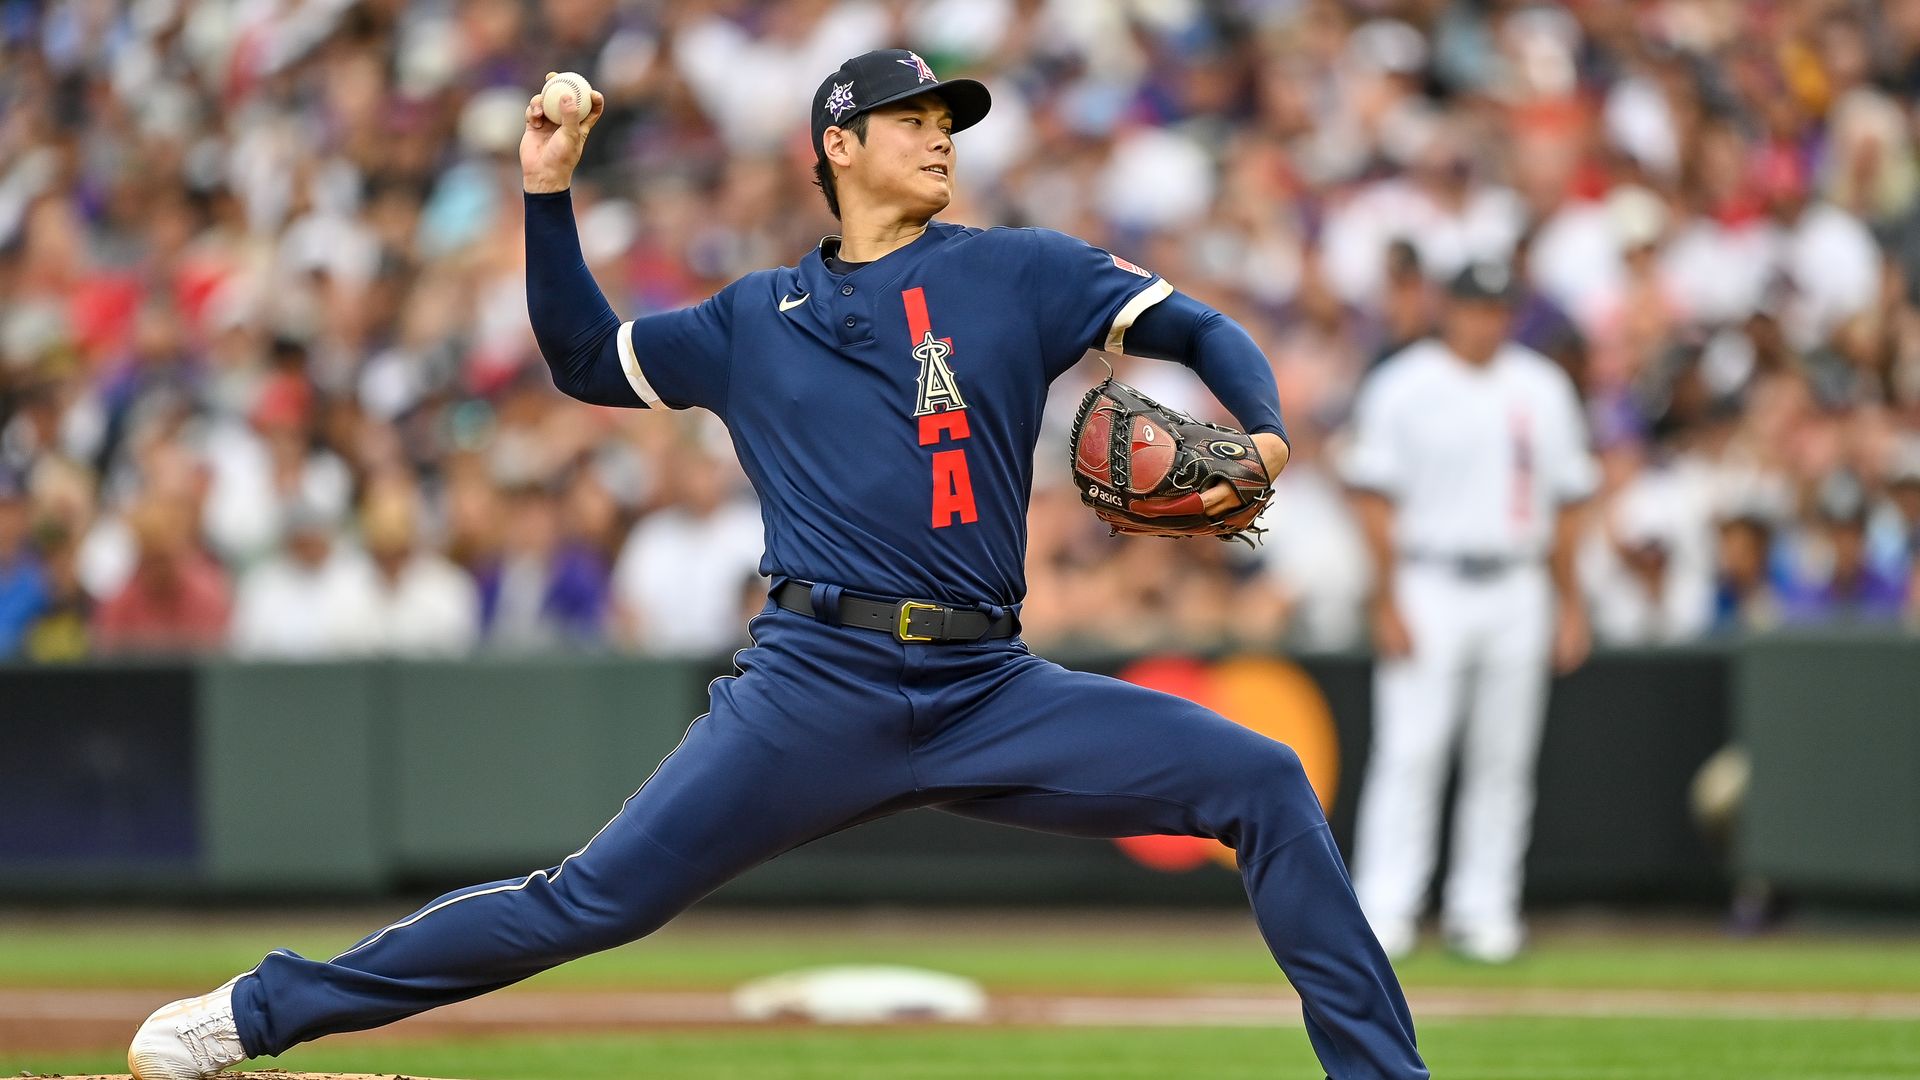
column 1482, row 281
column 884, row 76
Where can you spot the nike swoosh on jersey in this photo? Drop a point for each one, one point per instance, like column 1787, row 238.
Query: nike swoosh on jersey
column 788, row 305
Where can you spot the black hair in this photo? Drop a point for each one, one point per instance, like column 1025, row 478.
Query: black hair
column 823, row 169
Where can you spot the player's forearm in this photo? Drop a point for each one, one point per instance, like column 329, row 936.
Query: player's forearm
column 573, row 324
column 1219, row 350
column 1567, row 527
column 1376, row 526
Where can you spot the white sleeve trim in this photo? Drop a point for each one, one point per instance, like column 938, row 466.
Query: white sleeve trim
column 1142, row 300
column 630, row 364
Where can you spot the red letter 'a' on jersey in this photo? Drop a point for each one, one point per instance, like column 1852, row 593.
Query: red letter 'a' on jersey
column 941, row 412
column 952, row 489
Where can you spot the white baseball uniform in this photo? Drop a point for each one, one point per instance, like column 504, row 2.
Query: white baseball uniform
column 1477, row 462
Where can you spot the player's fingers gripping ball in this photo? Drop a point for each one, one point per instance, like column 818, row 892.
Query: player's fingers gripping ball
column 566, row 97
column 1144, row 467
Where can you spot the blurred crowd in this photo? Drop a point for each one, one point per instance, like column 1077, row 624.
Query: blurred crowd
column 267, row 383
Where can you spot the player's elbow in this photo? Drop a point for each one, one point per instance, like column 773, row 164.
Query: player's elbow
column 588, row 370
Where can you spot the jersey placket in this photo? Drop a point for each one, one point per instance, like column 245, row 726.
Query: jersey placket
column 851, row 309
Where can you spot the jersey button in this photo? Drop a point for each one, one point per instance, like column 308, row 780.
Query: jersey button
column 846, row 290
column 849, row 322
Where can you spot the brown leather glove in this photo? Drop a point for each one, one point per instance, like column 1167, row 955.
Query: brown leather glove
column 1143, row 467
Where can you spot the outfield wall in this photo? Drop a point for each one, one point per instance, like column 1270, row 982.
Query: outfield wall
column 221, row 779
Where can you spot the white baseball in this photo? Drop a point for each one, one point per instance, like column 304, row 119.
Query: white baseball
column 566, row 93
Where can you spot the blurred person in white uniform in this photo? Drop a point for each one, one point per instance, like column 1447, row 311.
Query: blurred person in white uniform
column 1469, row 462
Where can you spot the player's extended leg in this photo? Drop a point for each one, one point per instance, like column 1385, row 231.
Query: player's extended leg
column 1415, row 722
column 784, row 756
column 1480, row 907
column 1029, row 743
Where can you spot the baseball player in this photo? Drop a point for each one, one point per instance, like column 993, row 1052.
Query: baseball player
column 884, row 397
column 1469, row 459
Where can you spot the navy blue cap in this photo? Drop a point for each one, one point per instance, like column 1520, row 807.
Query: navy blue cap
column 884, row 76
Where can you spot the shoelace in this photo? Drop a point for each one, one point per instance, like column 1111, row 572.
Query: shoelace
column 209, row 1041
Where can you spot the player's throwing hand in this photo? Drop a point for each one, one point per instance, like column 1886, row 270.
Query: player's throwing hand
column 550, row 148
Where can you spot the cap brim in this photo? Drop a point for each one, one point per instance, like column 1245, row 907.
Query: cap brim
column 1482, row 296
column 967, row 99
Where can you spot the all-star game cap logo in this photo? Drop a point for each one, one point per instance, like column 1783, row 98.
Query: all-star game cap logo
column 840, row 102
column 920, row 67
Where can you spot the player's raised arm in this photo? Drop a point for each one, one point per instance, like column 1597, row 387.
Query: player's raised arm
column 1226, row 358
column 676, row 358
column 572, row 321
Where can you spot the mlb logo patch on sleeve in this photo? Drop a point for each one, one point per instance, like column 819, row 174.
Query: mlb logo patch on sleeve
column 1130, row 268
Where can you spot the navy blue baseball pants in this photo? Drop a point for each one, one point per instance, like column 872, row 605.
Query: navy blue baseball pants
column 826, row 727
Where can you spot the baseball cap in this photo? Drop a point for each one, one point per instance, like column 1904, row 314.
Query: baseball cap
column 1482, row 281
column 1637, row 216
column 884, row 76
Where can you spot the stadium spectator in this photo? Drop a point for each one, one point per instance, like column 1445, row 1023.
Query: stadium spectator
column 1744, row 598
column 23, row 581
column 295, row 605
column 677, row 582
column 176, row 599
column 267, row 465
column 1647, row 565
column 1841, row 585
column 1318, row 557
column 1903, row 499
column 1409, row 308
column 1441, row 206
column 409, row 600
column 544, row 590
column 60, row 633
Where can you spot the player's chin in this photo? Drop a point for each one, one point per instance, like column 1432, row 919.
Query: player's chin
column 935, row 191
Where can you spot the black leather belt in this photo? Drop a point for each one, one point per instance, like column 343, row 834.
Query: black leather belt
column 906, row 620
column 1471, row 567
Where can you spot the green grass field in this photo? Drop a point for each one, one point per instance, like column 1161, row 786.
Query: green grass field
column 1078, row 954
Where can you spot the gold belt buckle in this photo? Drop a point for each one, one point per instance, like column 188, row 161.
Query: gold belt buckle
column 907, row 608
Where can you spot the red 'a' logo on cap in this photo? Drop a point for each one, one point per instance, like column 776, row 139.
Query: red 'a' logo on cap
column 920, row 67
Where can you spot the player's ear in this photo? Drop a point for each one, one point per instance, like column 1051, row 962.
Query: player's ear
column 836, row 143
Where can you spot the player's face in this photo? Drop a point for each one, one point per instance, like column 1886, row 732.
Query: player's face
column 907, row 161
column 1475, row 328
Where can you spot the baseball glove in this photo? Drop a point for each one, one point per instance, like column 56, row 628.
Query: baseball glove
column 1142, row 467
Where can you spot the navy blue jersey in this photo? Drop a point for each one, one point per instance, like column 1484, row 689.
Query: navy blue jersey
column 887, row 416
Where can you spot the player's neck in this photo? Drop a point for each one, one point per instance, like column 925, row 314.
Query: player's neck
column 1470, row 356
column 872, row 235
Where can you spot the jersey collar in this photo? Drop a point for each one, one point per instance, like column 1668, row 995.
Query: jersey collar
column 830, row 245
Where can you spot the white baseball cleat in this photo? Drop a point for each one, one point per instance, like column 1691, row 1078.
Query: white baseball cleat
column 190, row 1039
column 1498, row 943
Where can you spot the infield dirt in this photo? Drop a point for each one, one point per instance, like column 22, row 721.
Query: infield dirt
column 76, row 1020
